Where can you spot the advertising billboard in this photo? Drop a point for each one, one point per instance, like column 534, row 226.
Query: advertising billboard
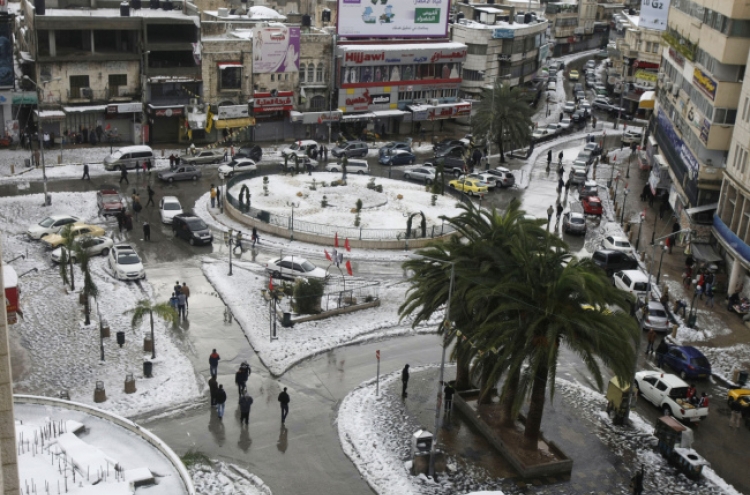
column 393, row 18
column 654, row 14
column 7, row 76
column 276, row 49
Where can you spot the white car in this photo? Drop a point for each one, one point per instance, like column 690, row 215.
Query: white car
column 555, row 128
column 551, row 86
column 353, row 166
column 237, row 166
column 125, row 263
column 169, row 207
column 540, row 134
column 669, row 393
column 53, row 224
column 633, row 281
column 566, row 123
column 486, row 180
column 569, row 107
column 293, row 267
column 94, row 245
column 617, row 243
column 421, row 173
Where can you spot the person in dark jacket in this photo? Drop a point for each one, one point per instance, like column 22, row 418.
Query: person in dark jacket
column 221, row 399
column 284, row 401
column 186, row 290
column 177, row 287
column 151, row 193
column 213, row 363
column 246, row 402
column 240, row 379
column 448, row 392
column 86, row 172
column 661, row 351
column 213, row 387
column 124, row 175
column 146, row 231
column 404, row 380
column 636, row 483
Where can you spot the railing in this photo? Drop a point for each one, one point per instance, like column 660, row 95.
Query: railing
column 360, row 233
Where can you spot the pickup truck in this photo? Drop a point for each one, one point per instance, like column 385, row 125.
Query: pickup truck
column 203, row 157
column 669, row 393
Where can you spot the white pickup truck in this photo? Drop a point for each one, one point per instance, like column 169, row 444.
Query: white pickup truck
column 669, row 393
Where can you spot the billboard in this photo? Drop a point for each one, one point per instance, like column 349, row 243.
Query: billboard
column 393, row 18
column 276, row 49
column 7, row 75
column 654, row 14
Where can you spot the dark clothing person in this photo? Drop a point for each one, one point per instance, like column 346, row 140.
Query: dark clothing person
column 559, row 210
column 404, row 379
column 284, row 401
column 549, row 157
column 221, row 399
column 240, row 379
column 245, row 402
column 146, row 231
column 651, row 339
column 448, row 391
column 661, row 351
column 186, row 291
column 124, row 176
column 213, row 386
column 637, row 483
column 177, row 287
column 181, row 302
column 86, row 172
column 151, row 193
column 560, row 156
column 213, row 363
column 255, row 236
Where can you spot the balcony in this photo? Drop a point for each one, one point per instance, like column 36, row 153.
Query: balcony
column 725, row 49
column 681, row 45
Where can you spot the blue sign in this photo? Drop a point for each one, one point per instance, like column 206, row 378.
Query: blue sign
column 677, row 143
column 731, row 238
column 503, row 33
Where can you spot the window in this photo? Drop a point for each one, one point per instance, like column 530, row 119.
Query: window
column 318, row 103
column 474, row 49
column 116, row 80
column 311, row 73
column 301, row 72
column 230, row 78
column 76, row 85
column 273, row 77
column 744, row 109
column 725, row 116
column 319, row 73
column 655, row 48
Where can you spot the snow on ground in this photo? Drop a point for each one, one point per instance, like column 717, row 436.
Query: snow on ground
column 60, row 351
column 380, row 210
column 95, row 452
column 724, row 360
column 228, row 479
column 241, row 292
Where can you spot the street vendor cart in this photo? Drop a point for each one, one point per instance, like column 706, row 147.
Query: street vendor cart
column 675, row 444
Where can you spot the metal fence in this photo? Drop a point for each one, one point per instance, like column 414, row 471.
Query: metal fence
column 361, row 233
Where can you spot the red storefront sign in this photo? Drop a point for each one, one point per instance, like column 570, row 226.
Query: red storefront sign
column 168, row 112
column 281, row 101
column 645, row 65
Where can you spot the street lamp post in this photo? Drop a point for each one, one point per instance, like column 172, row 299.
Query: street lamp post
column 624, row 200
column 640, row 227
column 101, row 330
column 661, row 258
column 39, row 136
column 653, row 233
column 291, row 225
column 231, row 241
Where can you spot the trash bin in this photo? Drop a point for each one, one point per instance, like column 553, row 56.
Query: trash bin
column 286, row 322
column 27, row 162
column 742, row 378
column 49, row 199
column 147, row 367
column 421, row 442
column 121, row 338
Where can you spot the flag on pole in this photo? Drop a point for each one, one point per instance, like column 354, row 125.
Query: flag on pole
column 328, row 256
column 270, row 284
column 346, row 244
column 336, row 239
column 349, row 268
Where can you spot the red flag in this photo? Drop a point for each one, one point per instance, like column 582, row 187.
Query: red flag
column 346, row 244
column 336, row 239
column 349, row 268
column 328, row 256
column 270, row 284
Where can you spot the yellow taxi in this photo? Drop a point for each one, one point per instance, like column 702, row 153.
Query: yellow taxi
column 472, row 187
column 77, row 229
column 574, row 75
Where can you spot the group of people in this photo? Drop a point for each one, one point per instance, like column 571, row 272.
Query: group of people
column 179, row 299
column 241, row 377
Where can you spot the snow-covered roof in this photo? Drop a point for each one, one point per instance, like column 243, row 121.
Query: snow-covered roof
column 499, row 24
column 243, row 34
column 50, row 114
column 10, row 277
column 403, row 47
column 86, row 108
column 261, row 12
column 115, row 13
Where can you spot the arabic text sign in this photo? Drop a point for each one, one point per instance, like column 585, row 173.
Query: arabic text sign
column 705, row 83
column 654, row 14
column 276, row 49
column 402, row 19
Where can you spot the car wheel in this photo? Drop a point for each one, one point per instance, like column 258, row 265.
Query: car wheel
column 334, row 170
column 105, row 252
column 412, row 161
column 195, row 177
column 360, row 172
column 170, row 180
column 275, row 274
column 407, row 176
column 192, row 241
column 230, row 174
column 428, row 181
column 666, row 410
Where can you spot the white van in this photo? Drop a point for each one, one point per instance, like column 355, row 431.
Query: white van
column 299, row 148
column 633, row 281
column 632, row 135
column 128, row 157
column 352, row 167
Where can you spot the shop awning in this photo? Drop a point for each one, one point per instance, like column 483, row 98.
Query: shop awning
column 226, row 65
column 647, row 100
column 704, row 252
column 87, row 108
column 357, row 116
column 50, row 114
column 25, row 98
column 389, row 113
column 233, row 123
column 701, row 209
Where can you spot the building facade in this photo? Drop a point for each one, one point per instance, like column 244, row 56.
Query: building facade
column 574, row 27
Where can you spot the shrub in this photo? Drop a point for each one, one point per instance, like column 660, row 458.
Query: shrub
column 193, row 457
column 359, row 205
column 400, row 196
column 324, row 201
column 434, row 200
column 307, row 294
column 379, row 188
column 371, row 183
column 369, row 299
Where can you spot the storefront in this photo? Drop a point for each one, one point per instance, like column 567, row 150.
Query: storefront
column 271, row 111
column 165, row 123
column 50, row 122
column 315, row 125
column 233, row 124
column 10, row 125
column 126, row 118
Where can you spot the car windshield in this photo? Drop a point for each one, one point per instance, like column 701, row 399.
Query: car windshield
column 657, row 313
column 307, row 266
column 678, row 393
column 594, row 203
column 197, row 224
column 389, row 145
column 47, row 222
column 700, row 362
column 111, row 198
column 577, row 220
column 622, row 244
column 128, row 259
column 640, row 286
column 294, row 147
column 172, row 206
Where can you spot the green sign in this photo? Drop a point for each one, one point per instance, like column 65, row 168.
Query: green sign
column 427, row 16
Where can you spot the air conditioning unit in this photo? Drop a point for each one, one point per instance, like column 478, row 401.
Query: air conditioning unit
column 668, row 85
column 86, row 92
column 193, row 101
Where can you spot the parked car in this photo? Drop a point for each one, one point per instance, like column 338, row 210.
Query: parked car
column 50, row 225
column 577, row 175
column 617, row 243
column 590, row 64
column 652, row 315
column 588, row 188
column 552, row 85
column 480, row 177
column 128, row 157
column 293, row 267
column 573, row 75
column 191, row 228
column 352, row 167
column 566, row 123
column 555, row 128
column 299, row 148
column 633, row 281
column 574, row 223
column 669, row 394
column 458, row 150
column 580, row 96
column 125, row 263
column 237, row 166
column 95, row 246
column 613, row 261
column 203, row 157
column 586, row 155
column 183, row 172
column 503, row 177
column 632, row 135
column 453, row 160
column 421, row 173
column 600, row 89
column 741, row 395
column 592, row 205
column 569, row 107
column 541, row 134
column 394, row 145
column 594, row 147
column 445, row 144
column 579, row 116
column 109, row 201
column 687, row 361
column 472, row 187
column 350, row 149
column 251, row 151
column 305, row 163
column 398, row 157
column 602, row 103
column 577, row 87
column 77, row 229
column 169, row 207
column 586, row 107
column 580, row 163
column 590, row 82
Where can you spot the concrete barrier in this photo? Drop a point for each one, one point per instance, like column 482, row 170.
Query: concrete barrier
column 119, row 421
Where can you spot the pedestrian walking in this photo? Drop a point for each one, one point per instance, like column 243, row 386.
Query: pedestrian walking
column 284, row 401
column 213, row 387
column 650, row 338
column 663, row 207
column 181, row 301
column 238, row 243
column 560, row 185
column 213, row 196
column 240, row 379
column 549, row 157
column 213, row 363
column 735, row 419
column 404, row 380
column 559, row 211
column 221, row 399
column 246, row 402
column 226, row 154
column 636, row 483
column 149, row 166
column 661, row 352
column 86, row 172
column 708, row 282
column 124, row 175
column 550, row 212
column 255, row 236
column 325, row 153
column 120, row 216
column 151, row 193
column 177, row 287
column 448, row 392
column 710, row 298
column 687, row 276
column 136, row 206
column 186, row 290
column 146, row 231
column 560, row 157
column 567, row 187
column 36, row 157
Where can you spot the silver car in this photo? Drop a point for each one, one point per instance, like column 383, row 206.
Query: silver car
column 424, row 174
column 574, row 223
column 183, row 172
column 653, row 315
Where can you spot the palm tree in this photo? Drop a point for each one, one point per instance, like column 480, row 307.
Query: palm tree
column 162, row 310
column 66, row 258
column 504, row 116
column 89, row 287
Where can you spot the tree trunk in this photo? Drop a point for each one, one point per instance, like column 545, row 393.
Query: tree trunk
column 507, row 418
column 87, row 309
column 72, row 275
column 463, row 375
column 153, row 342
column 536, row 409
column 486, row 387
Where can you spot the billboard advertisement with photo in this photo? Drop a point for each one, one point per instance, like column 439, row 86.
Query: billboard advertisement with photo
column 393, row 18
column 276, row 49
column 654, row 14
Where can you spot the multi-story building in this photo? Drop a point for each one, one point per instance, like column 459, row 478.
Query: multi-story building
column 574, row 26
column 702, row 68
column 731, row 223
